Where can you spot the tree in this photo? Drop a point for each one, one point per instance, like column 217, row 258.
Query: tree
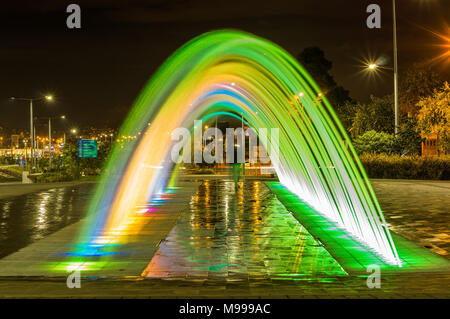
column 314, row 61
column 378, row 116
column 434, row 116
column 416, row 83
column 70, row 160
column 76, row 166
column 409, row 140
column 346, row 113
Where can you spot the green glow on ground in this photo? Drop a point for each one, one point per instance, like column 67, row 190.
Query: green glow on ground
column 245, row 234
column 353, row 256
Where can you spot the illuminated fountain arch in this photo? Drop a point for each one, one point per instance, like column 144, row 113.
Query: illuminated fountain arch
column 232, row 71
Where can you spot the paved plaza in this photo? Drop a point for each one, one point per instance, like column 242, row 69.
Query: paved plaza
column 418, row 210
column 221, row 242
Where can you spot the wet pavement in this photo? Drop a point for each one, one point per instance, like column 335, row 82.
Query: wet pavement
column 27, row 218
column 58, row 254
column 418, row 210
column 228, row 234
column 240, row 245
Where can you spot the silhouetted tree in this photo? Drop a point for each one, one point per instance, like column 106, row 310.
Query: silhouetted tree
column 416, row 83
column 314, row 61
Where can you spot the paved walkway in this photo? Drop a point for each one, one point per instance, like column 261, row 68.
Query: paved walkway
column 415, row 208
column 227, row 234
column 418, row 210
column 53, row 256
column 353, row 256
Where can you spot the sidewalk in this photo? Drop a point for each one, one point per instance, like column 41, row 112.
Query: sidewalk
column 418, row 210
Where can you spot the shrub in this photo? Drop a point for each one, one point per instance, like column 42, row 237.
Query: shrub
column 407, row 167
column 53, row 177
column 4, row 179
column 375, row 142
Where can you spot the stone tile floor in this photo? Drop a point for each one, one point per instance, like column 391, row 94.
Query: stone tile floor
column 230, row 235
column 52, row 256
column 404, row 286
column 353, row 256
column 416, row 209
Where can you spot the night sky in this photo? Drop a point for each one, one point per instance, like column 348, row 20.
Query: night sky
column 97, row 71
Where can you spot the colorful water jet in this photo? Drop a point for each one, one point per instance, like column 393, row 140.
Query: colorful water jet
column 236, row 72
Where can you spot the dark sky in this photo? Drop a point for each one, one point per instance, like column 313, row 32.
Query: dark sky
column 97, row 72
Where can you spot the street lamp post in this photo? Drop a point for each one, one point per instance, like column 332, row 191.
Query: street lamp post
column 50, row 137
column 50, row 143
column 35, row 141
column 395, row 68
column 374, row 67
column 32, row 135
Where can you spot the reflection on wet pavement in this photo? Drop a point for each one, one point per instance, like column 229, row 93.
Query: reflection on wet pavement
column 27, row 218
column 238, row 235
column 417, row 210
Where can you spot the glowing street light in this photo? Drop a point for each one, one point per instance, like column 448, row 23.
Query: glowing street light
column 32, row 135
column 444, row 44
column 372, row 66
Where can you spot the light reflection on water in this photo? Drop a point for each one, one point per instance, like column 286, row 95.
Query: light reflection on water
column 237, row 234
column 27, row 218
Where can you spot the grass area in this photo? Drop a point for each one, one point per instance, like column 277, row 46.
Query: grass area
column 90, row 178
column 11, row 174
column 14, row 170
column 55, row 177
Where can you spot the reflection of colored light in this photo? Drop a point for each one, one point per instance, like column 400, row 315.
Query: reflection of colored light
column 76, row 265
column 187, row 251
column 146, row 210
column 313, row 161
